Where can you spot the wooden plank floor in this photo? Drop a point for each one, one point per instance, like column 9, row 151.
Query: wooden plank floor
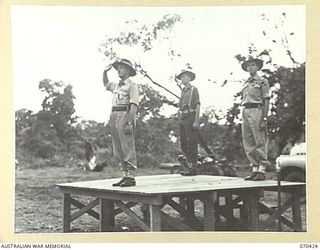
column 175, row 183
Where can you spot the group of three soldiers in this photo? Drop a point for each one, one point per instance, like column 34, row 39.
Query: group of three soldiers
column 255, row 100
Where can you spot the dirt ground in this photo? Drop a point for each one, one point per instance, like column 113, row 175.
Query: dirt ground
column 38, row 202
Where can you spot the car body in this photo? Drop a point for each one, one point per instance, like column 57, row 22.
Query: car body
column 293, row 167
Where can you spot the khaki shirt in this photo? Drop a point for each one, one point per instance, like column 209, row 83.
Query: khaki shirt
column 124, row 94
column 189, row 98
column 255, row 90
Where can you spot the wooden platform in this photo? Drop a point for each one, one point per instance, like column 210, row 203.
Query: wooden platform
column 158, row 190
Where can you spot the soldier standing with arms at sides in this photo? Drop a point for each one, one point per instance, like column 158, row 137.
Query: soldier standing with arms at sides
column 255, row 99
column 122, row 119
column 189, row 106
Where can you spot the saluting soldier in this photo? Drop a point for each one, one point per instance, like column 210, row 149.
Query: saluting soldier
column 122, row 119
column 189, row 107
column 255, row 99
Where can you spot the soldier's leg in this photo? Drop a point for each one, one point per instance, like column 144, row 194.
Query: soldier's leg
column 183, row 137
column 192, row 146
column 248, row 140
column 183, row 145
column 261, row 139
column 192, row 141
column 128, row 146
column 116, row 143
column 117, row 147
column 249, row 143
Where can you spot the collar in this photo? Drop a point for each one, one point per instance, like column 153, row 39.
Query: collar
column 125, row 82
column 256, row 77
column 188, row 86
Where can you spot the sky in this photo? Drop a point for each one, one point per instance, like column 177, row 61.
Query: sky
column 62, row 43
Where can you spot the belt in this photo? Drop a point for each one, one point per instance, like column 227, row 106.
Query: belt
column 120, row 108
column 186, row 111
column 252, row 105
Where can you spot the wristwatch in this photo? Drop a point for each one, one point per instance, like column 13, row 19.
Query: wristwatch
column 265, row 118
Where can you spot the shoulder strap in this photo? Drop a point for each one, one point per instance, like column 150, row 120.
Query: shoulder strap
column 191, row 95
column 261, row 82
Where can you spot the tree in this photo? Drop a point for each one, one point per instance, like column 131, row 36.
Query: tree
column 24, row 118
column 59, row 106
column 142, row 39
column 287, row 118
column 139, row 36
column 223, row 134
column 50, row 130
column 155, row 133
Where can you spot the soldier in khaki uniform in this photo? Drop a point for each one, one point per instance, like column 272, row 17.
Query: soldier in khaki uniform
column 189, row 106
column 255, row 99
column 122, row 119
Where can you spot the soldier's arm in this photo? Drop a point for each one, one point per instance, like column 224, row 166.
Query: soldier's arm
column 133, row 102
column 132, row 113
column 266, row 97
column 197, row 102
column 265, row 92
column 264, row 120
column 109, row 85
column 265, row 107
column 197, row 113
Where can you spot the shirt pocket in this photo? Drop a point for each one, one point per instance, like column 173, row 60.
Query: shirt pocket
column 255, row 91
column 123, row 95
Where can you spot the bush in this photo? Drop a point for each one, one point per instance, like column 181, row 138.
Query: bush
column 45, row 151
column 77, row 150
column 147, row 161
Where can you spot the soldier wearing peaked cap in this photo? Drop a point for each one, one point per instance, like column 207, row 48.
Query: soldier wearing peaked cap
column 122, row 118
column 255, row 99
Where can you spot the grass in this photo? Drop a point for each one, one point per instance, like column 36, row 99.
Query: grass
column 38, row 203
